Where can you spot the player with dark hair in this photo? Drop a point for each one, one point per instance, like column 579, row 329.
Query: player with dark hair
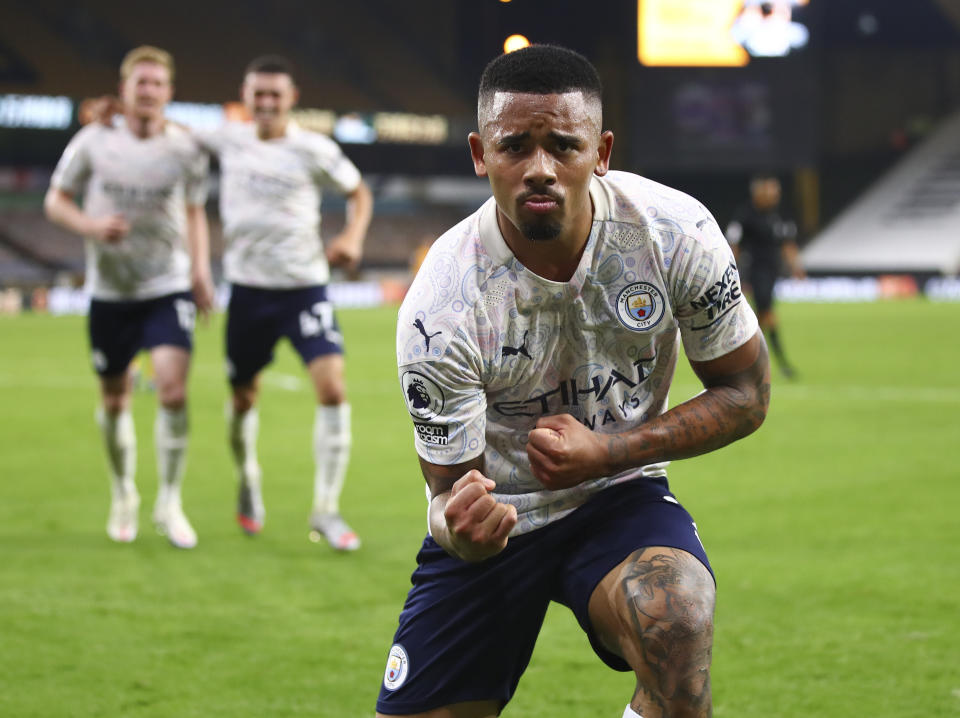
column 273, row 175
column 763, row 240
column 148, row 270
column 554, row 315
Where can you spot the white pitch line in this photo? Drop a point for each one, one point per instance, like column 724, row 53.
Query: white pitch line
column 287, row 382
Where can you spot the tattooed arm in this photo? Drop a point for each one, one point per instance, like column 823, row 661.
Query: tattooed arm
column 563, row 452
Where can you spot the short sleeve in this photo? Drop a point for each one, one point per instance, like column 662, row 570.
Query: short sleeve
column 210, row 139
column 713, row 314
column 74, row 168
column 734, row 232
column 332, row 168
column 447, row 405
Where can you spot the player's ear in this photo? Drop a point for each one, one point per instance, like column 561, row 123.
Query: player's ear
column 604, row 150
column 476, row 152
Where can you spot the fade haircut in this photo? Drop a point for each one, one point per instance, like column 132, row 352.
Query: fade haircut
column 271, row 65
column 541, row 70
column 146, row 53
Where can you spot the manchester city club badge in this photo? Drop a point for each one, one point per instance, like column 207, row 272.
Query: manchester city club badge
column 640, row 306
column 397, row 667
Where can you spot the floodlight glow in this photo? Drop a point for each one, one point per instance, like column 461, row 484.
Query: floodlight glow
column 515, row 42
column 688, row 33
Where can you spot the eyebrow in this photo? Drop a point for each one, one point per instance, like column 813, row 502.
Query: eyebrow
column 509, row 139
column 555, row 136
column 569, row 139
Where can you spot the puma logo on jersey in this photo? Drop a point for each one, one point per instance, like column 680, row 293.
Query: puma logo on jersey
column 423, row 330
column 520, row 350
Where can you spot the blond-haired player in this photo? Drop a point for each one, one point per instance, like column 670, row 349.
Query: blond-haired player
column 148, row 271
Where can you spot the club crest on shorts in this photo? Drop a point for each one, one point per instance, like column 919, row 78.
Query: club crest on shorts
column 640, row 306
column 398, row 665
column 424, row 397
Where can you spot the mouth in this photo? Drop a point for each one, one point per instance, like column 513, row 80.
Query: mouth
column 540, row 203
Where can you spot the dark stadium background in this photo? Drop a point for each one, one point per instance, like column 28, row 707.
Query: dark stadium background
column 876, row 77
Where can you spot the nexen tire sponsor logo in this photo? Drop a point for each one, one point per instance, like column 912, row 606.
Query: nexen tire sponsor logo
column 437, row 434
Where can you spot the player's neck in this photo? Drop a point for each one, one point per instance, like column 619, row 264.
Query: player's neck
column 273, row 130
column 554, row 259
column 144, row 127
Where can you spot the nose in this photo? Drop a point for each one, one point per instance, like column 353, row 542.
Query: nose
column 541, row 169
column 265, row 102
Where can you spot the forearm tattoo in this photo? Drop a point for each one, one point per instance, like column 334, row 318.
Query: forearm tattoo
column 670, row 598
column 732, row 407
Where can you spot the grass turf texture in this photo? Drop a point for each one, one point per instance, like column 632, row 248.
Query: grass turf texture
column 833, row 532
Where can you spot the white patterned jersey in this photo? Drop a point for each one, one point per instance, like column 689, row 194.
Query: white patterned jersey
column 150, row 182
column 270, row 193
column 486, row 347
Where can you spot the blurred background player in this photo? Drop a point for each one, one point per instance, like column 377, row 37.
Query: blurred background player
column 147, row 246
column 273, row 173
column 763, row 241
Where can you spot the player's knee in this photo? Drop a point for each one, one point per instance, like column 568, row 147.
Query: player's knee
column 669, row 598
column 331, row 392
column 243, row 399
column 171, row 393
column 113, row 404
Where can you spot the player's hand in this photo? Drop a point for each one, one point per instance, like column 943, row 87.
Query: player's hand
column 344, row 251
column 478, row 524
column 203, row 293
column 100, row 110
column 109, row 229
column 563, row 452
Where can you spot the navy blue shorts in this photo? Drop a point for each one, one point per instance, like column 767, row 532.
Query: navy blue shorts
column 118, row 330
column 258, row 317
column 467, row 630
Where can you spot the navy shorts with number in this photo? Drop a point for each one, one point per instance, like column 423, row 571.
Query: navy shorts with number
column 257, row 318
column 118, row 330
column 467, row 630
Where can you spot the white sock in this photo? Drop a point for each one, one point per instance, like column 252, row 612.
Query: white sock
column 331, row 451
column 170, row 438
column 243, row 431
column 630, row 713
column 121, row 442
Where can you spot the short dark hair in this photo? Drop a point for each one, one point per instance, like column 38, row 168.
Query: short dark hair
column 543, row 70
column 271, row 64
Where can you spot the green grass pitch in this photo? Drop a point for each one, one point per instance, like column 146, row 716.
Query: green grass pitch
column 834, row 532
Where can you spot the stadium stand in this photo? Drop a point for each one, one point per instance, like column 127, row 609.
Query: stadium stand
column 38, row 249
column 25, row 272
column 34, row 251
column 213, row 41
column 907, row 221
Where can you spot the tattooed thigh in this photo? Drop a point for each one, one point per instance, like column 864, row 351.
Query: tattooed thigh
column 656, row 611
